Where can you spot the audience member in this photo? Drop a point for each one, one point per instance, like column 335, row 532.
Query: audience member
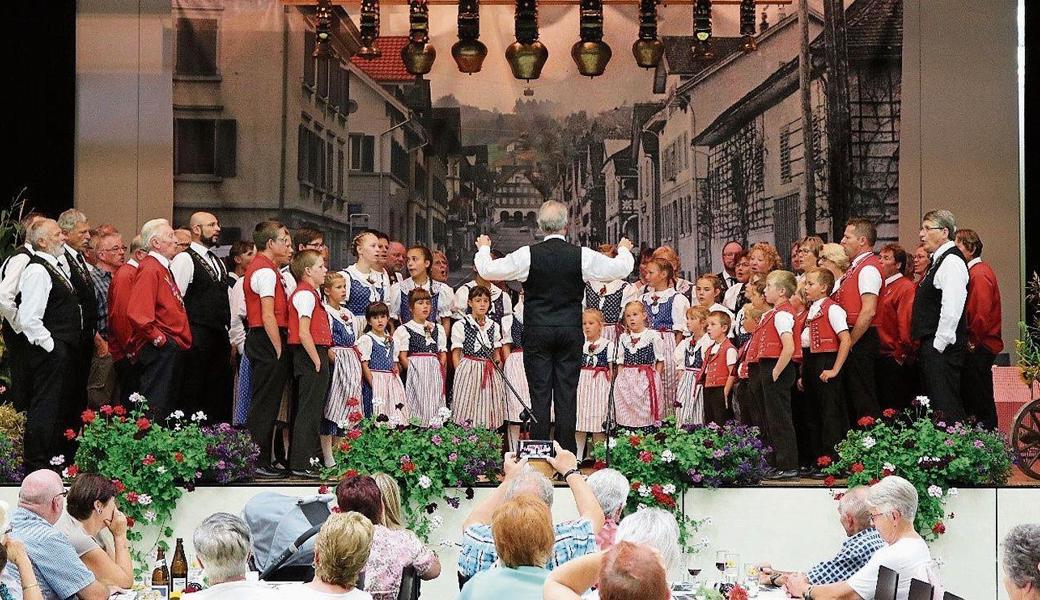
column 392, row 549
column 861, row 542
column 611, row 490
column 12, row 551
column 657, row 528
column 573, row 538
column 56, row 566
column 90, row 507
column 391, row 495
column 628, row 571
column 893, row 505
column 340, row 554
column 222, row 545
column 1022, row 562
column 523, row 543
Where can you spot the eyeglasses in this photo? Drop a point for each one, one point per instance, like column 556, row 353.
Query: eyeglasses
column 874, row 516
column 931, row 228
column 316, row 245
column 62, row 494
column 115, row 249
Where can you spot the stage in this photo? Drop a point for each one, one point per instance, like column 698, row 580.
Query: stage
column 790, row 525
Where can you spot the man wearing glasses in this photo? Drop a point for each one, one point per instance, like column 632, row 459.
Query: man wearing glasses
column 59, row 572
column 202, row 278
column 109, row 254
column 938, row 316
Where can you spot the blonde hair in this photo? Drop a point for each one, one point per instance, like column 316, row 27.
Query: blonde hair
column 836, row 254
column 724, row 319
column 331, row 278
column 342, row 548
column 783, row 280
column 304, row 260
column 594, row 312
column 697, row 312
column 770, row 254
column 751, row 313
column 523, row 532
column 813, row 244
column 642, row 309
column 391, row 494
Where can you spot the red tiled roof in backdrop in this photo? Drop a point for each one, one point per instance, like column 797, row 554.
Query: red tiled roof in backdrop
column 388, row 68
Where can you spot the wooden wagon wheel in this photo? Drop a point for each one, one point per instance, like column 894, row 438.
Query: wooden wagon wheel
column 1025, row 439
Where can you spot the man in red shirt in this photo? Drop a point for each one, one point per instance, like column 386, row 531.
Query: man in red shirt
column 982, row 313
column 895, row 306
column 158, row 319
column 120, row 331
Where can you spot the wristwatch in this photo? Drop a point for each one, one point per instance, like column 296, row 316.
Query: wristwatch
column 571, row 472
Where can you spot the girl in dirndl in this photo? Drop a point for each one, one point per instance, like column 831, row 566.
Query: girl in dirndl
column 422, row 347
column 594, row 380
column 640, row 360
column 609, row 297
column 513, row 349
column 476, row 340
column 689, row 358
column 366, row 282
column 442, row 297
column 666, row 312
column 343, row 409
column 383, row 387
column 501, row 304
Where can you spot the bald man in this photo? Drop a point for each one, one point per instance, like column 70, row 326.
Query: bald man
column 59, row 571
column 396, row 256
column 203, row 281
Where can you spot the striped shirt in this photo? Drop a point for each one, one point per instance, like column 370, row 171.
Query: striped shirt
column 59, row 570
column 573, row 540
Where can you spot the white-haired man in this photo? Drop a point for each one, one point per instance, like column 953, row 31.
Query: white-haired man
column 861, row 544
column 51, row 318
column 573, row 538
column 60, row 573
column 222, row 545
column 893, row 506
column 159, row 321
column 553, row 274
column 15, row 344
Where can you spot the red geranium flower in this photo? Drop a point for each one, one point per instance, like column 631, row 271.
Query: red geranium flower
column 888, row 413
column 353, row 434
column 352, row 402
column 635, row 485
column 70, row 434
column 73, row 470
column 350, row 473
column 634, row 440
column 131, row 497
column 324, row 489
column 824, row 461
column 408, row 467
column 88, row 416
column 119, row 486
column 829, row 481
column 939, row 528
column 354, row 417
column 130, row 522
column 119, row 411
column 177, row 456
column 345, row 447
column 143, row 423
column 148, row 460
column 857, row 467
column 866, row 421
column 599, row 464
column 646, row 456
column 106, row 410
column 874, row 480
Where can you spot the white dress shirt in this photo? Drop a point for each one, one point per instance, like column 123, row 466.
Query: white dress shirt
column 516, row 265
column 237, row 331
column 732, row 295
column 35, row 287
column 183, row 267
column 12, row 269
column 951, row 278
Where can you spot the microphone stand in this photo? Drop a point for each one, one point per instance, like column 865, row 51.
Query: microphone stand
column 611, row 423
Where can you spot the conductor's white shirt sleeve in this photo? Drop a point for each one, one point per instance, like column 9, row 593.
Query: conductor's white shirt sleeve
column 516, row 266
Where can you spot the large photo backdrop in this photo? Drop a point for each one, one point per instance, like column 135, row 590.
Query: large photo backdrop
column 698, row 151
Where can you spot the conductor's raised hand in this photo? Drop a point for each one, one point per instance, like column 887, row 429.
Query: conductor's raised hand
column 483, row 241
column 625, row 243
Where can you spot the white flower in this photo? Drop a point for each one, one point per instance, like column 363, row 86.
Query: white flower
column 199, row 416
column 144, row 499
column 935, row 491
column 436, row 521
column 706, row 522
column 923, row 400
column 612, row 443
column 952, row 492
column 344, row 425
column 177, row 414
column 425, row 482
column 667, row 456
column 160, row 469
column 444, row 413
column 149, row 516
column 315, row 462
column 644, row 490
column 669, row 488
column 135, row 398
column 705, row 540
column 58, row 460
column 869, row 442
column 65, row 473
column 889, row 467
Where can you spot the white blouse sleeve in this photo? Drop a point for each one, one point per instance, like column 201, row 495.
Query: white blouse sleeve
column 507, row 304
column 401, row 339
column 507, row 329
column 445, row 302
column 461, row 299
column 263, row 281
column 496, row 332
column 442, row 339
column 458, row 334
column 679, row 353
column 679, row 306
column 393, row 302
column 784, row 322
column 364, row 347
column 658, row 344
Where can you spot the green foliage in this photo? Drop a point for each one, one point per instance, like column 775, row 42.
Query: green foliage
column 663, row 464
column 424, row 461
column 932, row 455
column 1028, row 344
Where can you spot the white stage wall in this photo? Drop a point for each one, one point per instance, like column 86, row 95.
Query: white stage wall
column 790, row 527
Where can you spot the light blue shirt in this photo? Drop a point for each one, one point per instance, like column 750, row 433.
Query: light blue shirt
column 522, row 583
column 59, row 570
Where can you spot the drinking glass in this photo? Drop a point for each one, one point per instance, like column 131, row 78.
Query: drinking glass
column 693, row 567
column 720, row 562
column 751, row 572
column 732, row 564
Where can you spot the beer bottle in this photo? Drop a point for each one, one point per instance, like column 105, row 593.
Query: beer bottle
column 179, row 569
column 161, row 575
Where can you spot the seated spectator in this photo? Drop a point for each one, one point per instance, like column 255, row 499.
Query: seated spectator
column 391, row 495
column 611, row 490
column 893, row 506
column 392, row 549
column 340, row 553
column 524, row 539
column 657, row 528
column 573, row 538
column 628, row 571
column 56, row 566
column 222, row 545
column 862, row 541
column 90, row 507
column 1022, row 563
column 12, row 551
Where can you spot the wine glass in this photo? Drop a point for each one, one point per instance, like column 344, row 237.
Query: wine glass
column 693, row 567
column 720, row 563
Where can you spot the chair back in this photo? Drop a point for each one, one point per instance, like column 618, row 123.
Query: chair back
column 919, row 590
column 887, row 584
column 409, row 585
column 949, row 596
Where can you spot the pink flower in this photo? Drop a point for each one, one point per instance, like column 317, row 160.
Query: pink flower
column 148, row 460
column 143, row 423
column 131, row 497
column 646, row 457
column 88, row 416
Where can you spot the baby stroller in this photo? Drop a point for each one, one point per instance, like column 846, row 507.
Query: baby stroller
column 283, row 529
